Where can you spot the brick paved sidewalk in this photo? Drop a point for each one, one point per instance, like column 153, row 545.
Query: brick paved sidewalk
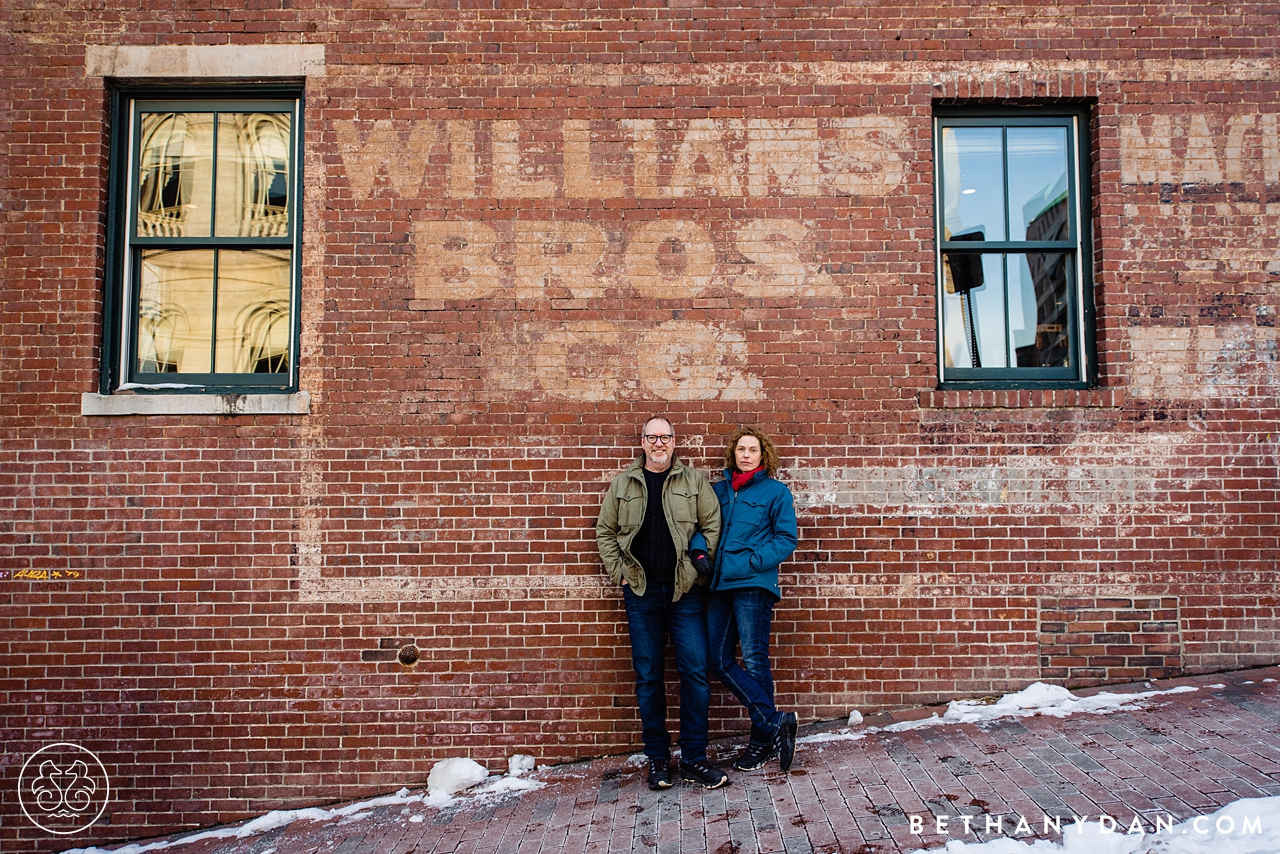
column 1185, row 754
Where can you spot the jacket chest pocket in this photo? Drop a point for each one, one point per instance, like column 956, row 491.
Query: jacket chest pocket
column 751, row 518
column 630, row 513
column 683, row 505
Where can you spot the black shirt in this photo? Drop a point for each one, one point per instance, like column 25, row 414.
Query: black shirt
column 653, row 546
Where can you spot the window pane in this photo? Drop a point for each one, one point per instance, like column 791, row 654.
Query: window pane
column 1038, row 183
column 973, row 311
column 253, row 175
column 175, row 175
column 973, row 182
column 254, row 320
column 1039, row 320
column 175, row 311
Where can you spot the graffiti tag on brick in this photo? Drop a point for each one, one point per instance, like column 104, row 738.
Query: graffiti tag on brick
column 43, row 574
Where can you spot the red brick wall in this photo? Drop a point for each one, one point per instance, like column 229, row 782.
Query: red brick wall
column 1096, row 641
column 232, row 590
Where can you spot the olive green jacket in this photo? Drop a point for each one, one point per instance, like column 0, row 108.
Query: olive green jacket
column 689, row 504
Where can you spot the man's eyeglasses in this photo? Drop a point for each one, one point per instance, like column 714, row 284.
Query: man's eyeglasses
column 655, row 438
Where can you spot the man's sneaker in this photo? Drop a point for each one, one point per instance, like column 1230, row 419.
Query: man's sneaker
column 785, row 741
column 755, row 756
column 659, row 773
column 702, row 772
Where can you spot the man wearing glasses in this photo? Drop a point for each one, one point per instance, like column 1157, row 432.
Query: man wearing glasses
column 650, row 512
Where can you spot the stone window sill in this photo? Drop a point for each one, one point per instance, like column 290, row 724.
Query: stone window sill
column 95, row 405
column 1022, row 398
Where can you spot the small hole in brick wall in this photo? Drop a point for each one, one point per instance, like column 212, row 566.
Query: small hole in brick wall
column 408, row 655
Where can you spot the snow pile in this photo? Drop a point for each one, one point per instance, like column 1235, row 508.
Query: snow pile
column 855, row 718
column 450, row 776
column 520, row 764
column 1037, row 699
column 1250, row 826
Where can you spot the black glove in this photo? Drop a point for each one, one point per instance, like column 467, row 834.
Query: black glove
column 702, row 563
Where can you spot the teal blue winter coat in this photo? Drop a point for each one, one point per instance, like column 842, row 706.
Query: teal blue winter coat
column 758, row 532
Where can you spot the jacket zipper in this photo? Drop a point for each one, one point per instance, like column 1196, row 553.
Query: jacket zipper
column 724, row 535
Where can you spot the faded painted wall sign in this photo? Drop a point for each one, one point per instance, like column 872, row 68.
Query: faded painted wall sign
column 598, row 360
column 314, row 587
column 1095, row 470
column 628, row 158
column 662, row 259
column 1187, row 363
column 1200, row 148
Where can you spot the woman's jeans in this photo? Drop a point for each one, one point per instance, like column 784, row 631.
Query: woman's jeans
column 746, row 617
column 650, row 618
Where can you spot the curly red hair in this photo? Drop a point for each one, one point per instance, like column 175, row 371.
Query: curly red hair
column 768, row 453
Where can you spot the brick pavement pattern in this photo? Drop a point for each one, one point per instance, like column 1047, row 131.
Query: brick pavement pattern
column 1181, row 755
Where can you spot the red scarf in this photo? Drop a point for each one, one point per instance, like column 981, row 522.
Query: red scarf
column 740, row 478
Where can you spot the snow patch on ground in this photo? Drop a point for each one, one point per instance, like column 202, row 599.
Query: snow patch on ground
column 502, row 785
column 493, row 787
column 1036, row 699
column 1249, row 826
column 270, row 821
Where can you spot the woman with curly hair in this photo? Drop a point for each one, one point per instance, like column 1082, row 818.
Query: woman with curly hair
column 758, row 533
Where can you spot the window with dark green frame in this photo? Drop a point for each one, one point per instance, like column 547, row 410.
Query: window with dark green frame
column 205, row 260
column 1013, row 252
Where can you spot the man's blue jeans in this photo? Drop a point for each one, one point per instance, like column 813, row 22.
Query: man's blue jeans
column 746, row 617
column 650, row 618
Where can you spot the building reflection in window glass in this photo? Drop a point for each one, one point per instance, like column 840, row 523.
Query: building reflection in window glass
column 177, row 317
column 978, row 306
column 973, row 181
column 1037, row 182
column 1007, row 301
column 175, row 311
column 253, row 312
column 1038, row 311
column 223, row 175
column 175, row 192
column 253, row 175
column 974, row 309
